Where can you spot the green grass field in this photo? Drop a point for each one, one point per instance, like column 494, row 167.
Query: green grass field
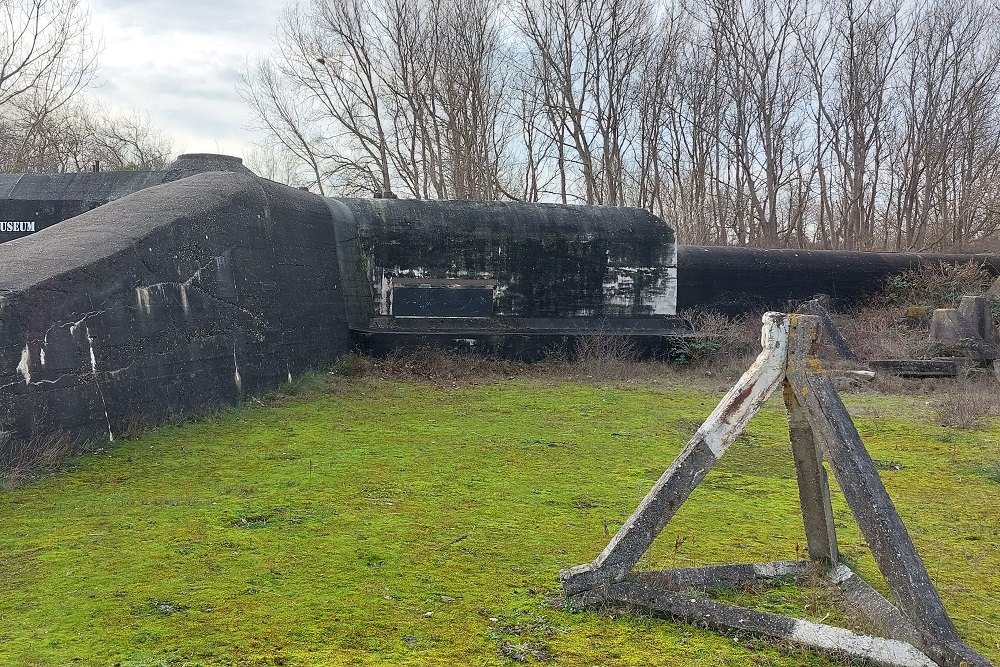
column 384, row 522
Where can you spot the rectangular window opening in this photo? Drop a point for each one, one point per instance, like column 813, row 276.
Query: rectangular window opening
column 442, row 297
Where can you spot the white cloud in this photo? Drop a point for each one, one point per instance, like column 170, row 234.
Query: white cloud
column 179, row 60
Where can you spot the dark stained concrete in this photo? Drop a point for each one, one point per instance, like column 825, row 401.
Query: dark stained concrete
column 165, row 302
column 738, row 281
column 42, row 200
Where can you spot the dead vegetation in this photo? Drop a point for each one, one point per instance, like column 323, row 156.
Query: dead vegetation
column 599, row 358
column 880, row 331
column 605, row 353
column 894, row 323
column 434, row 365
column 721, row 343
column 967, row 403
column 21, row 461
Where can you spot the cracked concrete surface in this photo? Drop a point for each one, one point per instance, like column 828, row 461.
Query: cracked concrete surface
column 187, row 295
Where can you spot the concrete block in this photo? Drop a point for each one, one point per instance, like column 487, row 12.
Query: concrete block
column 968, row 329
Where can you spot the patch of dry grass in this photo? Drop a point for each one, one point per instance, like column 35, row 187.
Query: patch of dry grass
column 600, row 359
column 429, row 364
column 880, row 331
column 966, row 403
column 21, row 461
column 721, row 344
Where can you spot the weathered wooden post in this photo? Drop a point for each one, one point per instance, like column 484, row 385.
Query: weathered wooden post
column 814, row 490
column 920, row 630
column 877, row 518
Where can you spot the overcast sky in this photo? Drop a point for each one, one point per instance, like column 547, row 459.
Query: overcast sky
column 180, row 60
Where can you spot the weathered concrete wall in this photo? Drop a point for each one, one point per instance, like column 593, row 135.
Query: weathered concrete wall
column 171, row 300
column 505, row 279
column 751, row 280
column 30, row 203
column 542, row 260
column 200, row 291
column 203, row 290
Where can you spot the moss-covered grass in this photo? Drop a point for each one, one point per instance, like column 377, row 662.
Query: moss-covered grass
column 395, row 523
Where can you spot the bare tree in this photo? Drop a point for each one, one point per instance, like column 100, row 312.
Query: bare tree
column 47, row 57
column 764, row 72
column 125, row 142
column 81, row 137
column 561, row 48
column 836, row 123
column 284, row 118
column 273, row 163
column 950, row 97
column 385, row 95
column 45, row 50
column 854, row 49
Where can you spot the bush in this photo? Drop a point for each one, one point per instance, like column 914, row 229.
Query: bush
column 718, row 339
column 938, row 285
column 894, row 323
column 604, row 349
column 882, row 332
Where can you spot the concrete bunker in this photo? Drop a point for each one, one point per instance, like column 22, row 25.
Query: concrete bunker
column 201, row 290
column 208, row 284
column 505, row 278
column 140, row 296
